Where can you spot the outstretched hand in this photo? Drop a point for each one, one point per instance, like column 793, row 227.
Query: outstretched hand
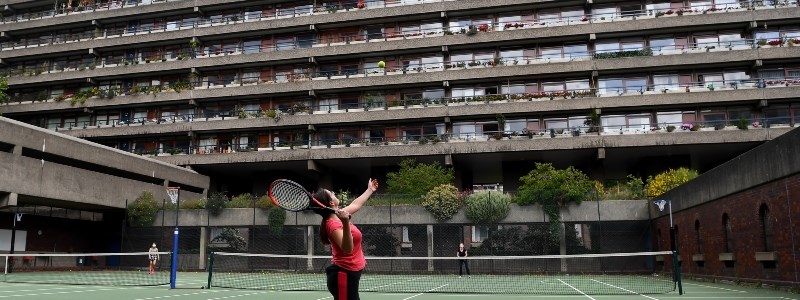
column 372, row 185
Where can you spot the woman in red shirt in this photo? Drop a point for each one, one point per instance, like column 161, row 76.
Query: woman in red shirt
column 345, row 239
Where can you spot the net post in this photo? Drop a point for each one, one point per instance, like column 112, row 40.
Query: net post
column 210, row 269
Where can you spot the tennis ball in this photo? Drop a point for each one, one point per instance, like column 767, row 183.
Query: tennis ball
column 381, row 64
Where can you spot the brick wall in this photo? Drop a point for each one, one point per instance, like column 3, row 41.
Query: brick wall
column 781, row 197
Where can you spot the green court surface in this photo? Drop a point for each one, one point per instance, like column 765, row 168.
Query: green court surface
column 189, row 288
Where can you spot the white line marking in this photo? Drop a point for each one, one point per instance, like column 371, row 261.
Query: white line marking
column 714, row 287
column 56, row 293
column 428, row 291
column 235, row 296
column 399, row 282
column 579, row 291
column 325, row 298
column 179, row 295
column 38, row 290
column 629, row 291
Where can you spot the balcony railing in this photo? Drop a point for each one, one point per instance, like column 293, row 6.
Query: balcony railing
column 468, row 30
column 110, row 5
column 487, row 136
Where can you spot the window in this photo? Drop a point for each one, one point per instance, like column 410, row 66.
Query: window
column 728, row 234
column 479, row 233
column 406, row 239
column 697, row 239
column 766, row 228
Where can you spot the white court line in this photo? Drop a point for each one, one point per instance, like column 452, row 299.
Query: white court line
column 629, row 291
column 38, row 290
column 180, row 295
column 579, row 291
column 325, row 298
column 385, row 285
column 714, row 287
column 428, row 291
column 235, row 296
column 56, row 293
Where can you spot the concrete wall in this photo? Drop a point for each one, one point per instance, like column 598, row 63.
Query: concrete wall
column 26, row 176
column 610, row 210
column 768, row 175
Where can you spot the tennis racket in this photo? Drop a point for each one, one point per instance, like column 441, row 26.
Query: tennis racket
column 291, row 196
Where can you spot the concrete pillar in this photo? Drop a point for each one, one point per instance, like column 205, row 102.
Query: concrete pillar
column 203, row 247
column 430, row 247
column 310, row 247
column 17, row 150
column 8, row 200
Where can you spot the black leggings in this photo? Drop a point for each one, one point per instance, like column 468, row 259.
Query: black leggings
column 461, row 264
column 343, row 284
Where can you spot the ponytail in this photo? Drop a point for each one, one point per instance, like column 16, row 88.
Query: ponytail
column 323, row 197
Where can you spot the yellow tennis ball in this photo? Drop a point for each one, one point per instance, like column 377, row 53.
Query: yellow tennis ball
column 381, row 64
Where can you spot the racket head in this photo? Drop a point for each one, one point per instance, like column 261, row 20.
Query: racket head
column 289, row 195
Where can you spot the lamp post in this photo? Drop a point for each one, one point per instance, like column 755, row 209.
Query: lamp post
column 673, row 243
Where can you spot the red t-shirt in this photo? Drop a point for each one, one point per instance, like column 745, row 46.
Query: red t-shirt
column 353, row 261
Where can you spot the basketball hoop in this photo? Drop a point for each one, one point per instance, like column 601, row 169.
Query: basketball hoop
column 661, row 204
column 172, row 192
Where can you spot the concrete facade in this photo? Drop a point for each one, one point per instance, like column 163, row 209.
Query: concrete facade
column 63, row 171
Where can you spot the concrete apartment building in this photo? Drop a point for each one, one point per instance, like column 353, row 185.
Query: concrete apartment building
column 246, row 91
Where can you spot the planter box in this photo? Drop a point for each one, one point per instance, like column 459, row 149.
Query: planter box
column 727, row 257
column 766, row 256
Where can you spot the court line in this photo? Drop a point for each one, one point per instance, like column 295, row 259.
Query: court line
column 38, row 290
column 235, row 296
column 579, row 291
column 428, row 291
column 57, row 293
column 629, row 291
column 399, row 282
column 325, row 298
column 714, row 287
column 179, row 295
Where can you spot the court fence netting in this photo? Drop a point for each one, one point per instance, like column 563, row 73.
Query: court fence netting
column 114, row 269
column 593, row 274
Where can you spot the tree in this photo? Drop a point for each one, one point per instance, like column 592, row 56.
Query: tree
column 230, row 237
column 552, row 189
column 3, row 89
column 416, row 179
column 142, row 212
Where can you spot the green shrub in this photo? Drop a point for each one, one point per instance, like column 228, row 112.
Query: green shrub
column 668, row 180
column 545, row 185
column 633, row 189
column 241, row 201
column 276, row 219
column 143, row 210
column 443, row 202
column 193, row 204
column 216, row 203
column 264, row 202
column 487, row 207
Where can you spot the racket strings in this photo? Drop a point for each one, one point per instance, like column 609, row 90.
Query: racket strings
column 290, row 196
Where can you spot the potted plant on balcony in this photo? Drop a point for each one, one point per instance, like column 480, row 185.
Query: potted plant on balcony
column 361, row 5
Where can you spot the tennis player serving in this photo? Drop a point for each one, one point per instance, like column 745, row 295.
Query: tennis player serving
column 345, row 239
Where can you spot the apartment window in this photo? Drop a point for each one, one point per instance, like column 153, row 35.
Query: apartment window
column 766, row 228
column 551, row 53
column 778, row 115
column 576, row 51
column 513, row 89
column 613, row 123
column 556, row 125
column 728, row 234
column 659, row 5
column 662, row 44
column 512, row 55
column 606, row 46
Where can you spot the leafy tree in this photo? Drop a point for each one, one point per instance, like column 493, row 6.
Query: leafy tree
column 487, row 207
column 230, row 236
column 379, row 241
column 142, row 212
column 443, row 202
column 417, row 179
column 672, row 178
column 3, row 89
column 552, row 189
column 216, row 203
column 276, row 219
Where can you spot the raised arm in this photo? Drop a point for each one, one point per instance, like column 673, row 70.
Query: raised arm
column 372, row 186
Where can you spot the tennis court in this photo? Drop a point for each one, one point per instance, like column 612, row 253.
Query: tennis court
column 189, row 284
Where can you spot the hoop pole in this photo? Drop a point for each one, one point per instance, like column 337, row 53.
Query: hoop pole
column 174, row 271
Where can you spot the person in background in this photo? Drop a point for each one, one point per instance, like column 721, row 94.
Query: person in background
column 462, row 263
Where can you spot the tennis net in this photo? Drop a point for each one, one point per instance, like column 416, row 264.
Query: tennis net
column 593, row 274
column 118, row 269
